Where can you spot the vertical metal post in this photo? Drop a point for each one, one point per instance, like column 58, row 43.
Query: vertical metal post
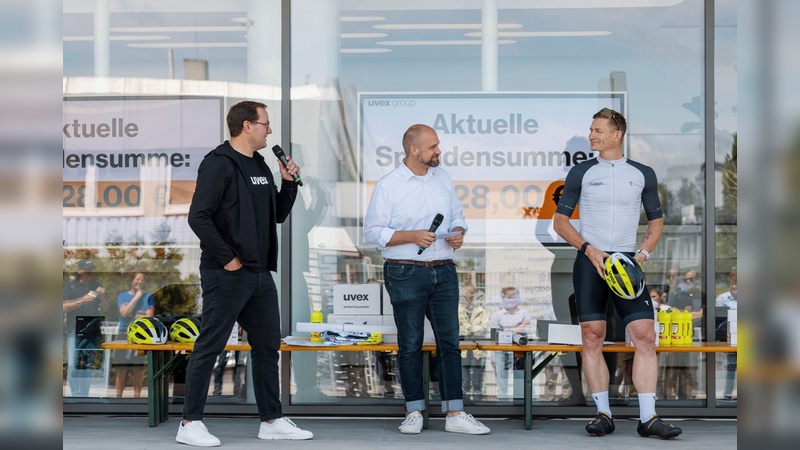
column 709, row 221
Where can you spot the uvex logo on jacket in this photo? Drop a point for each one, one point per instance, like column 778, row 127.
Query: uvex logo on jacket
column 259, row 180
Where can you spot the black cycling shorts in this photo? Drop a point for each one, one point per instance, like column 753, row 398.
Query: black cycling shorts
column 592, row 294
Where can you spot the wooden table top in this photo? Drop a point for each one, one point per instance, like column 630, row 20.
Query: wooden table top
column 617, row 347
column 243, row 346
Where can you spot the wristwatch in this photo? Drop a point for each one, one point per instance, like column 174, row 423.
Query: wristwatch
column 645, row 253
column 583, row 247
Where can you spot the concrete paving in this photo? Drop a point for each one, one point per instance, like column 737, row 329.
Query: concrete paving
column 116, row 432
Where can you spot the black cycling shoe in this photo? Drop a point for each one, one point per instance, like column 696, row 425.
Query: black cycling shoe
column 601, row 425
column 658, row 428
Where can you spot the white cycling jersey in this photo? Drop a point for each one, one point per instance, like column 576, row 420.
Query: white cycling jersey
column 610, row 195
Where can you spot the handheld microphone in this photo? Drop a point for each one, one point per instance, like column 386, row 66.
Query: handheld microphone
column 434, row 225
column 282, row 156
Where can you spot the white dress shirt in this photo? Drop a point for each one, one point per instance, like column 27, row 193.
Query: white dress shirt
column 403, row 201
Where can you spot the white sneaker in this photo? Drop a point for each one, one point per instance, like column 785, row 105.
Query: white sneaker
column 465, row 423
column 412, row 424
column 283, row 429
column 195, row 433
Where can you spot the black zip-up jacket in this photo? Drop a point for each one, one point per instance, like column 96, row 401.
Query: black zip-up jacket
column 222, row 213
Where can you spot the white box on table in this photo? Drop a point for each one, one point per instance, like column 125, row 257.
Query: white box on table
column 357, row 299
column 559, row 333
column 356, row 319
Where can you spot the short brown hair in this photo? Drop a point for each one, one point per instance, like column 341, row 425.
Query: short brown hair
column 241, row 112
column 616, row 118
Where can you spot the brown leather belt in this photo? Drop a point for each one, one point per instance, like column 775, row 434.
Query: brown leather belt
column 428, row 264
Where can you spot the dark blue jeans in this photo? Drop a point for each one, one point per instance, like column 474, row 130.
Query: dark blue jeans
column 418, row 292
column 252, row 299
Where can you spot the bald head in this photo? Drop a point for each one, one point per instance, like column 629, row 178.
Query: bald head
column 412, row 136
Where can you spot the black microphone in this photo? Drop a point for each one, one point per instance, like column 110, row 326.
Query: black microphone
column 282, row 156
column 434, row 225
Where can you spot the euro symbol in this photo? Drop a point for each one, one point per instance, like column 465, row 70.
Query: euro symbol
column 557, row 194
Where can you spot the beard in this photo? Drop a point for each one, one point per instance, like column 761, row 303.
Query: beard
column 433, row 162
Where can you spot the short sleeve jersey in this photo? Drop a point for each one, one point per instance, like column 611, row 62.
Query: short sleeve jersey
column 610, row 195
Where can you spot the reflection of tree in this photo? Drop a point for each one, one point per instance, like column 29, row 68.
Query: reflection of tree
column 158, row 260
column 727, row 212
column 669, row 207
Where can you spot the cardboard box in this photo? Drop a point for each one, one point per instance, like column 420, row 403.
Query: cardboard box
column 559, row 333
column 355, row 320
column 732, row 328
column 733, row 338
column 386, row 304
column 357, row 299
column 732, row 315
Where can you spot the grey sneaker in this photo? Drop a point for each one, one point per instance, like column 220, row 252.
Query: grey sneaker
column 412, row 424
column 283, row 429
column 195, row 433
column 465, row 423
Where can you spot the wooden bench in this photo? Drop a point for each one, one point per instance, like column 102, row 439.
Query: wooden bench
column 550, row 351
column 164, row 358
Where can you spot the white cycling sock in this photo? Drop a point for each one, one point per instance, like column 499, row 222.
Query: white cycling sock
column 601, row 400
column 647, row 406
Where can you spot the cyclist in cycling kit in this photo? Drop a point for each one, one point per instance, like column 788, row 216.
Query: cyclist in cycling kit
column 610, row 191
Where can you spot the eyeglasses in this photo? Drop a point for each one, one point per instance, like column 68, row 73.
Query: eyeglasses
column 266, row 124
column 690, row 279
column 609, row 114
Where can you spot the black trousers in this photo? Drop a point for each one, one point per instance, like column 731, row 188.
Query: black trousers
column 251, row 298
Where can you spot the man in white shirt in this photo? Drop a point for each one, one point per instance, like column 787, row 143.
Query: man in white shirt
column 420, row 275
column 728, row 299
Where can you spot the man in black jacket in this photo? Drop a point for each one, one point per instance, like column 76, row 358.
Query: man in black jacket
column 235, row 211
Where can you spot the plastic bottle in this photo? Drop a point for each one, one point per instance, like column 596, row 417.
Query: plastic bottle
column 675, row 328
column 316, row 317
column 689, row 329
column 664, row 327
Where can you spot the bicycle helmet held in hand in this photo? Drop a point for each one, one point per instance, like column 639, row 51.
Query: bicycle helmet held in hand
column 625, row 276
column 185, row 330
column 147, row 330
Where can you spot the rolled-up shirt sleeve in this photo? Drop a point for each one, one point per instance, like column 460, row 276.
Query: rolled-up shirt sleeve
column 376, row 222
column 456, row 211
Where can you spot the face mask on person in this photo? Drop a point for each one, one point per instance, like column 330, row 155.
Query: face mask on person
column 510, row 303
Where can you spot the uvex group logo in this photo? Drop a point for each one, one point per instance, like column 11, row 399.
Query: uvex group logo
column 356, row 297
column 392, row 103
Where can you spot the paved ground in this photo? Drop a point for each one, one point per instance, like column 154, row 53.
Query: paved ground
column 114, row 432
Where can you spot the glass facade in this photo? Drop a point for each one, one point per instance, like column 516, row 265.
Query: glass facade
column 147, row 86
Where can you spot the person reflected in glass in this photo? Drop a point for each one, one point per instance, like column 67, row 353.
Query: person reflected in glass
column 132, row 304
column 473, row 321
column 681, row 373
column 729, row 300
column 83, row 296
column 508, row 318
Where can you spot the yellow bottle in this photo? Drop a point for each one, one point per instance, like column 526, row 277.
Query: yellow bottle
column 675, row 328
column 664, row 324
column 316, row 317
column 688, row 330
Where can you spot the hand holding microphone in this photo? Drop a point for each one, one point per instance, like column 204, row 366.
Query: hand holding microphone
column 278, row 151
column 434, row 226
